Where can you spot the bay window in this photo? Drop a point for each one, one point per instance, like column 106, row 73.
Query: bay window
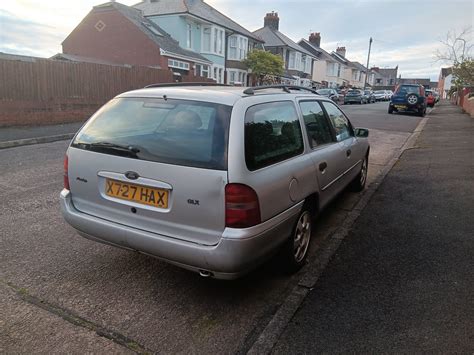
column 238, row 47
column 213, row 40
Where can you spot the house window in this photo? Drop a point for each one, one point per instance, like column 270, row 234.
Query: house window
column 238, row 47
column 220, row 42
column 243, row 44
column 298, row 61
column 206, row 39
column 338, row 70
column 205, row 71
column 189, row 33
column 291, row 60
column 173, row 63
column 233, row 47
column 213, row 40
column 307, row 65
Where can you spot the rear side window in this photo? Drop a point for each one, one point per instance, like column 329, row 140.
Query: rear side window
column 179, row 132
column 339, row 121
column 317, row 127
column 272, row 134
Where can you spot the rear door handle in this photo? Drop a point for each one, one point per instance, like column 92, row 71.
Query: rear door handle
column 348, row 152
column 323, row 166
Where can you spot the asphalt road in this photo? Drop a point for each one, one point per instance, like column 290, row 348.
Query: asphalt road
column 95, row 298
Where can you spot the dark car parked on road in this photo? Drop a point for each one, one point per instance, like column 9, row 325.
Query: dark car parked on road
column 355, row 96
column 408, row 98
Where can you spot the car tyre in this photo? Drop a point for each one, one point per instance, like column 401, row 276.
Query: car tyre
column 412, row 99
column 390, row 109
column 295, row 249
column 422, row 112
column 358, row 184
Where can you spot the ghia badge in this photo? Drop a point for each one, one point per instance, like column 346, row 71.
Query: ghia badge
column 132, row 175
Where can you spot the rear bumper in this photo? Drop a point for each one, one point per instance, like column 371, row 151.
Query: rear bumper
column 406, row 107
column 353, row 99
column 238, row 251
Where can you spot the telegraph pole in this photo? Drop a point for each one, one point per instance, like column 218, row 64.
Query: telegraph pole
column 368, row 58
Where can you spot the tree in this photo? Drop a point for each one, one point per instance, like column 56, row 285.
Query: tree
column 264, row 63
column 457, row 52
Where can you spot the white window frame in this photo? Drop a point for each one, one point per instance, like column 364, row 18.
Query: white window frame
column 216, row 40
column 205, row 71
column 189, row 35
column 217, row 73
column 307, row 64
column 239, row 76
column 177, row 64
column 204, row 28
column 292, row 60
column 238, row 47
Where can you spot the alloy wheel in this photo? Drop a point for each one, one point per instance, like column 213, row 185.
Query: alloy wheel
column 302, row 236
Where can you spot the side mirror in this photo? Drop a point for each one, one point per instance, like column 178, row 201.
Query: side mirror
column 361, row 132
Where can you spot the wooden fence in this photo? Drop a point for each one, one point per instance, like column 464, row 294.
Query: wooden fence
column 44, row 91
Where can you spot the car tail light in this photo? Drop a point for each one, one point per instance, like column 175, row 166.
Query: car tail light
column 242, row 209
column 66, row 176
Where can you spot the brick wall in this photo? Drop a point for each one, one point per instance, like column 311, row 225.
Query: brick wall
column 468, row 105
column 110, row 36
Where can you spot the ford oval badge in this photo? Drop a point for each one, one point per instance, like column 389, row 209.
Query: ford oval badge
column 132, row 175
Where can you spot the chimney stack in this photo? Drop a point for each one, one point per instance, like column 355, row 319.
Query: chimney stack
column 341, row 51
column 271, row 20
column 315, row 39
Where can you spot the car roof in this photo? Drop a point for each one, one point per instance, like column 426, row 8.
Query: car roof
column 227, row 95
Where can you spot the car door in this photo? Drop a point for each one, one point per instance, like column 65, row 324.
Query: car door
column 349, row 156
column 325, row 150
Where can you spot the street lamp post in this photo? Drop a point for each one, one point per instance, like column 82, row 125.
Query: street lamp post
column 368, row 58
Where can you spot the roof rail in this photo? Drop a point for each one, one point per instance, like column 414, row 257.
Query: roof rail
column 164, row 85
column 285, row 88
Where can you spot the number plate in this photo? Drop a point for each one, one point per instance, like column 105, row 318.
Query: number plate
column 400, row 106
column 145, row 195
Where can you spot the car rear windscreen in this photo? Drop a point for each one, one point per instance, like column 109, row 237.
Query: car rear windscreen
column 178, row 132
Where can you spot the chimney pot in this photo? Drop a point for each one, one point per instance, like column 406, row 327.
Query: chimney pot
column 315, row 39
column 341, row 51
column 271, row 20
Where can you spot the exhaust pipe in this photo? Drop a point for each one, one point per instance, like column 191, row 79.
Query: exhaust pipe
column 205, row 273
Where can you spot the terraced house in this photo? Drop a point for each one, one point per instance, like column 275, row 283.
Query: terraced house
column 199, row 27
column 333, row 69
column 298, row 62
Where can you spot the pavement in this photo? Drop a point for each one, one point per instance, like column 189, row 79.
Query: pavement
column 402, row 279
column 26, row 135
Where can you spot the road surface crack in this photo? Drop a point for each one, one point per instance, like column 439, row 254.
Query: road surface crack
column 77, row 320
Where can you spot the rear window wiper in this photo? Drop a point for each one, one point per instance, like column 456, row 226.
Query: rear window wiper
column 130, row 149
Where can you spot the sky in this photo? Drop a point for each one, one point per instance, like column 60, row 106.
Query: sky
column 405, row 32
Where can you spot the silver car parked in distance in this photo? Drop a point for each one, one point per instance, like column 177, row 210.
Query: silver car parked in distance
column 213, row 179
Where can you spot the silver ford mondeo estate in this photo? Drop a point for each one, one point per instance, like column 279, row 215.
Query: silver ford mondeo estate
column 213, row 179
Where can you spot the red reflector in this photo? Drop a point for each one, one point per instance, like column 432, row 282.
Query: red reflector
column 65, row 176
column 242, row 209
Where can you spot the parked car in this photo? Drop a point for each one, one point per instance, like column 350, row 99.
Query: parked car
column 212, row 179
column 436, row 95
column 380, row 95
column 430, row 98
column 389, row 94
column 355, row 96
column 329, row 93
column 370, row 96
column 408, row 98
